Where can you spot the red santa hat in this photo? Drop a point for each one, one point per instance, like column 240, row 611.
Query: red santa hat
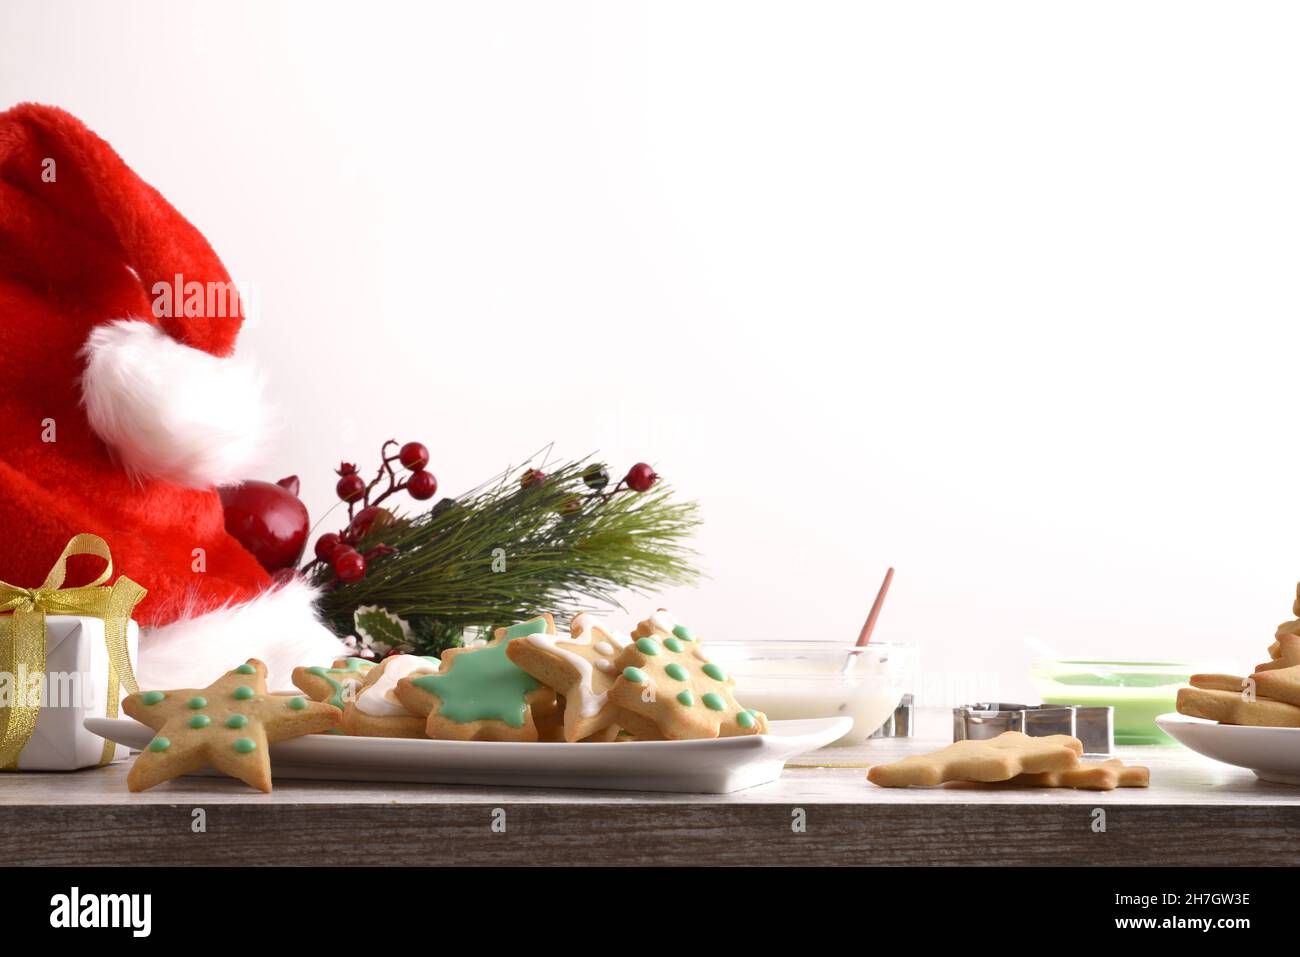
column 123, row 408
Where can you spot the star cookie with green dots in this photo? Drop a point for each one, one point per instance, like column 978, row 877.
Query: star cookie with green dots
column 665, row 677
column 226, row 725
column 479, row 694
column 336, row 685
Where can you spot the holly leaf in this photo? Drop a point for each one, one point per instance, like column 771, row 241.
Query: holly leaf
column 377, row 626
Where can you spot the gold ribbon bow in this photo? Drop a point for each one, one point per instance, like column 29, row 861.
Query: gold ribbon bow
column 22, row 639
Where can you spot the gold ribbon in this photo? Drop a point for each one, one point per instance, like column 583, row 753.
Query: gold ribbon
column 22, row 639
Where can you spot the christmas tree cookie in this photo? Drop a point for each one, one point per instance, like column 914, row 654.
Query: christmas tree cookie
column 479, row 694
column 226, row 725
column 664, row 677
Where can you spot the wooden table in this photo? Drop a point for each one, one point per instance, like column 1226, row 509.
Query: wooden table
column 1196, row 812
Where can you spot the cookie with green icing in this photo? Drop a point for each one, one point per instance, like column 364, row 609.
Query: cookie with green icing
column 664, row 677
column 478, row 693
column 335, row 685
column 226, row 725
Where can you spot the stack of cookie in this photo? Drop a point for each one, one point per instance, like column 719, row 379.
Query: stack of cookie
column 531, row 684
column 1268, row 697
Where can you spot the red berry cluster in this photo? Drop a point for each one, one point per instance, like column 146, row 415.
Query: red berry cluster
column 338, row 549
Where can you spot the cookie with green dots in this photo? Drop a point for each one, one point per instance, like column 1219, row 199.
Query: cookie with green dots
column 668, row 680
column 226, row 725
column 479, row 694
column 336, row 685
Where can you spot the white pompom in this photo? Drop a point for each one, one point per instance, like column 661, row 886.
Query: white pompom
column 169, row 411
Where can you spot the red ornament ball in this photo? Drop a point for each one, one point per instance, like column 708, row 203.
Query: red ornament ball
column 532, row 477
column 349, row 564
column 640, row 477
column 326, row 544
column 413, row 456
column 422, row 485
column 268, row 520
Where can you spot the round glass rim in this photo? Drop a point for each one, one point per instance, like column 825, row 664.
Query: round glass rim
column 1111, row 664
column 816, row 644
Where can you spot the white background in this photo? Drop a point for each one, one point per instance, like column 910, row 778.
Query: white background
column 1003, row 294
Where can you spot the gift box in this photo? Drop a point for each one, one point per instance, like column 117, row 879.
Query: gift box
column 75, row 687
column 65, row 655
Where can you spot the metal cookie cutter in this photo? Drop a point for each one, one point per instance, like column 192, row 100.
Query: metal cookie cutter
column 1093, row 726
column 899, row 724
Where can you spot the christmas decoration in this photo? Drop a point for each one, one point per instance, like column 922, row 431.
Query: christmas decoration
column 422, row 486
column 351, row 486
column 413, row 456
column 56, row 630
column 267, row 519
column 127, row 409
column 529, row 539
column 595, row 477
column 640, row 477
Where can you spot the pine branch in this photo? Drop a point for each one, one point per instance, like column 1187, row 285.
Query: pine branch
column 502, row 553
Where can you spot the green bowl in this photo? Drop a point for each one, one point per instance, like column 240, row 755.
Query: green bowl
column 1137, row 690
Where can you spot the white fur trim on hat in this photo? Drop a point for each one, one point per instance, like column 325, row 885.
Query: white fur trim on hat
column 169, row 411
column 279, row 628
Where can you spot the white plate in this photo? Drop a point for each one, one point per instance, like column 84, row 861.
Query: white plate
column 1272, row 753
column 713, row 765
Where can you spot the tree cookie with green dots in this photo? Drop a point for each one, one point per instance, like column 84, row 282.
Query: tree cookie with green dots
column 226, row 725
column 479, row 694
column 667, row 679
column 336, row 685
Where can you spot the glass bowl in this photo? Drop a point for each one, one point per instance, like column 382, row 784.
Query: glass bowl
column 1137, row 690
column 817, row 679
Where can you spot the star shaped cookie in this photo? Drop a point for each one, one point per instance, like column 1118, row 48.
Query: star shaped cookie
column 664, row 677
column 226, row 725
column 579, row 666
column 479, row 694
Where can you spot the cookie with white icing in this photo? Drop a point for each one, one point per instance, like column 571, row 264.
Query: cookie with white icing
column 375, row 712
column 479, row 694
column 580, row 667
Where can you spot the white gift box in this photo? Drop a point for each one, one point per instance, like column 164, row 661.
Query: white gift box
column 76, row 687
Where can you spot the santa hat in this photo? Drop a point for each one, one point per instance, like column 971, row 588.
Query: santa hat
column 123, row 409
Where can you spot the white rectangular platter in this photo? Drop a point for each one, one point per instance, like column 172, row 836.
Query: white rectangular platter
column 708, row 766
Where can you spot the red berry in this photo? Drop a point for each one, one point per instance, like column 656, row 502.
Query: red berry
column 413, row 456
column 370, row 517
column 532, row 477
column 351, row 487
column 640, row 477
column 349, row 564
column 326, row 544
column 422, row 485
